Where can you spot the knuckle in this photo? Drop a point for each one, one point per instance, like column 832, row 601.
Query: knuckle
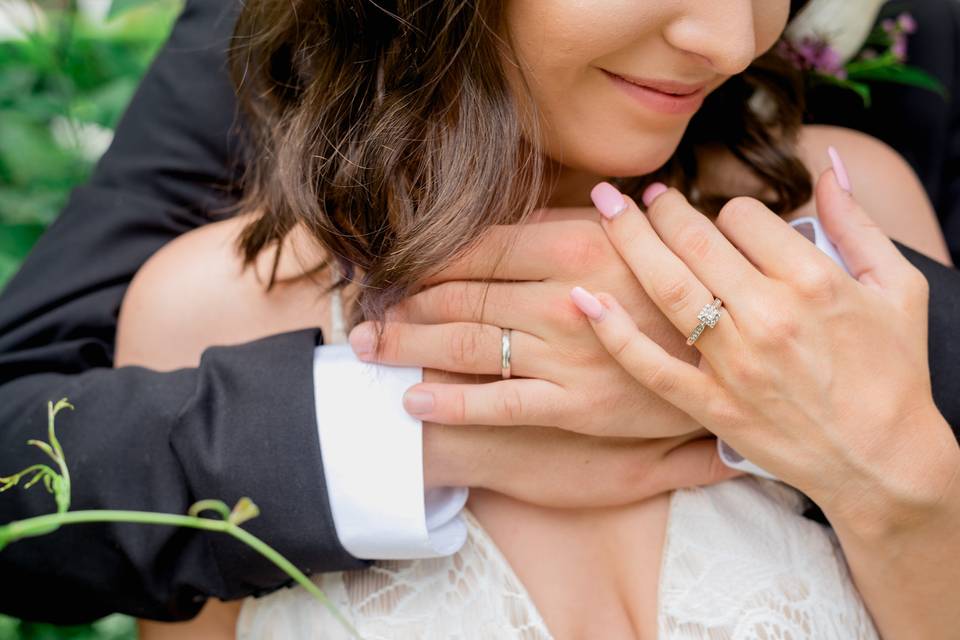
column 622, row 347
column 744, row 372
column 735, row 210
column 453, row 300
column 563, row 314
column 776, row 328
column 721, row 412
column 510, row 406
column 586, row 249
column 660, row 380
column 463, row 347
column 815, row 282
column 458, row 408
column 675, row 295
column 696, row 242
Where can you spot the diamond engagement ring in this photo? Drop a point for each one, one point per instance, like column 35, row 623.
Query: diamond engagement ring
column 505, row 353
column 708, row 317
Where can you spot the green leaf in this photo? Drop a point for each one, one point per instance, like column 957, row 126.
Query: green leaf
column 16, row 240
column 902, row 75
column 118, row 7
column 859, row 88
column 880, row 62
column 245, row 509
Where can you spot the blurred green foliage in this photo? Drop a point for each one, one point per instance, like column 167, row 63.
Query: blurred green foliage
column 66, row 75
column 65, row 79
column 110, row 628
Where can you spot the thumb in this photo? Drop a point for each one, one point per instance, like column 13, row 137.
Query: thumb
column 869, row 254
column 696, row 463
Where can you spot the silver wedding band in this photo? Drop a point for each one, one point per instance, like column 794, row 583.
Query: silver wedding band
column 707, row 318
column 505, row 353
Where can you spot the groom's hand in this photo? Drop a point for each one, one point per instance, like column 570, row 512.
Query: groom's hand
column 563, row 377
column 556, row 468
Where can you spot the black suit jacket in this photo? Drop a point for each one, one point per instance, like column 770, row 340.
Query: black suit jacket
column 243, row 422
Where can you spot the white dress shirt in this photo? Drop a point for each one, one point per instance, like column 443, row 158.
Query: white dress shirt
column 373, row 462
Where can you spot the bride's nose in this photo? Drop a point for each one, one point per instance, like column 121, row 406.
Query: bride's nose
column 723, row 34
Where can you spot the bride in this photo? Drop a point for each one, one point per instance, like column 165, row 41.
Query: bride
column 393, row 143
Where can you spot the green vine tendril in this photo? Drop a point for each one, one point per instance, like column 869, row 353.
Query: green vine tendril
column 57, row 482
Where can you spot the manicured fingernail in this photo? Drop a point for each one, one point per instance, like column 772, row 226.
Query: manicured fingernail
column 587, row 303
column 363, row 340
column 653, row 192
column 418, row 403
column 608, row 200
column 840, row 169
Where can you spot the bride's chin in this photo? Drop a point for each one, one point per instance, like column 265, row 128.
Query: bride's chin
column 624, row 161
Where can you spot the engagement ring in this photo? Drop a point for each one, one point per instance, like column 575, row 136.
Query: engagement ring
column 708, row 317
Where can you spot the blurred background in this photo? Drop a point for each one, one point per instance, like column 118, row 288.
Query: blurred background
column 68, row 68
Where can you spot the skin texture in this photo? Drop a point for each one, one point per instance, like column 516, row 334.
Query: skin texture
column 593, row 130
column 590, row 125
column 792, row 379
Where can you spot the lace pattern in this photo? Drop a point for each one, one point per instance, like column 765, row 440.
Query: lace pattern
column 740, row 563
column 471, row 595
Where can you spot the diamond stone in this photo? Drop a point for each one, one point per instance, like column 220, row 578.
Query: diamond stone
column 710, row 314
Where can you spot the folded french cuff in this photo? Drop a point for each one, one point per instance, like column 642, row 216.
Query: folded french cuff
column 373, row 463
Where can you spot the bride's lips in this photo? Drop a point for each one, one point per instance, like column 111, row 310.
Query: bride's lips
column 668, row 97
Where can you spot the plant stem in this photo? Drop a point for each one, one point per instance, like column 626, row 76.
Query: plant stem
column 44, row 524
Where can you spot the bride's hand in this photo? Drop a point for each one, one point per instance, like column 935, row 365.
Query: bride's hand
column 818, row 377
column 563, row 377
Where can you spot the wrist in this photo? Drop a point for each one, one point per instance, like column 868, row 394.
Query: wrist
column 915, row 483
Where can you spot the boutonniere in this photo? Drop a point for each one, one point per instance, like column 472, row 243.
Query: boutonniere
column 836, row 43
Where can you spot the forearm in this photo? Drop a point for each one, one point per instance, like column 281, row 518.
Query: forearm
column 152, row 441
column 906, row 562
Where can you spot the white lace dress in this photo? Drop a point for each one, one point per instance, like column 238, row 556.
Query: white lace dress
column 740, row 562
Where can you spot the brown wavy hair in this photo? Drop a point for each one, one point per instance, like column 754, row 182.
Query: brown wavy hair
column 388, row 130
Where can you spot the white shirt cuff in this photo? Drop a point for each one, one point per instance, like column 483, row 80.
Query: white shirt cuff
column 372, row 452
column 732, row 458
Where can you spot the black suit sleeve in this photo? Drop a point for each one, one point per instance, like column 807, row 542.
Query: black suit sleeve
column 944, row 327
column 242, row 423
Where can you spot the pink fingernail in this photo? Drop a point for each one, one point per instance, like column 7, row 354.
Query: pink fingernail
column 840, row 170
column 653, row 192
column 587, row 303
column 418, row 402
column 608, row 200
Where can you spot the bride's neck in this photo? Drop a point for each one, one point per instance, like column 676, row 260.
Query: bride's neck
column 571, row 188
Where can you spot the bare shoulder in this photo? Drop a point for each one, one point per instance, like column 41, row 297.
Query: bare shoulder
column 883, row 182
column 196, row 292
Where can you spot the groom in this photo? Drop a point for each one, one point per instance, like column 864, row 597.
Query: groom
column 245, row 420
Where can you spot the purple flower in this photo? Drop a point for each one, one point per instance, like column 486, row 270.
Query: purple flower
column 814, row 54
column 906, row 23
column 889, row 25
column 899, row 47
column 829, row 60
